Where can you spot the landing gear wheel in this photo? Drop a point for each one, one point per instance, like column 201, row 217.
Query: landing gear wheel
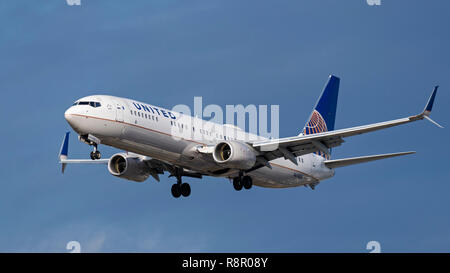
column 185, row 189
column 96, row 155
column 176, row 190
column 237, row 184
column 247, row 182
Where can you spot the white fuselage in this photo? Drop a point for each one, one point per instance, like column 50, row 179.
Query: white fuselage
column 172, row 137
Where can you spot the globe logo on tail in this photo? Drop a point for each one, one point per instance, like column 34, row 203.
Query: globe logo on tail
column 316, row 125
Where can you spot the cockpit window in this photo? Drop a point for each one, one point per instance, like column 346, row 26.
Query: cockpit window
column 90, row 103
column 94, row 104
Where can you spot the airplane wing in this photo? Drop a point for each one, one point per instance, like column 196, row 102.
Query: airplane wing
column 291, row 147
column 84, row 161
column 155, row 166
column 64, row 151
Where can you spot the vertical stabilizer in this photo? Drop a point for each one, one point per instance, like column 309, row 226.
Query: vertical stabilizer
column 323, row 115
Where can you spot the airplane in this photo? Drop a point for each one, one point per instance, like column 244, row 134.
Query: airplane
column 158, row 140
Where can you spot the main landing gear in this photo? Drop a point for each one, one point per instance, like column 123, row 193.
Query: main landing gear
column 179, row 188
column 95, row 154
column 242, row 182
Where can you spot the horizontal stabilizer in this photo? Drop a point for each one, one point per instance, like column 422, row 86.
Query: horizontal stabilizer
column 361, row 159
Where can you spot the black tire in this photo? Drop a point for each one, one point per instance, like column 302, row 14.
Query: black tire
column 176, row 190
column 92, row 155
column 237, row 184
column 185, row 189
column 247, row 182
column 97, row 155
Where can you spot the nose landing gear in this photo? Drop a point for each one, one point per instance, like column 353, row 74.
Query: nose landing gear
column 92, row 141
column 95, row 154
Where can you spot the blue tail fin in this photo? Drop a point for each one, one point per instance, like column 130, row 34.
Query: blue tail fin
column 324, row 113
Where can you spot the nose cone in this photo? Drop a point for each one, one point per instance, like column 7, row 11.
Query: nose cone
column 69, row 116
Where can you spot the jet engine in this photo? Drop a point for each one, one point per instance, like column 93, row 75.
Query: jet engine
column 235, row 155
column 128, row 167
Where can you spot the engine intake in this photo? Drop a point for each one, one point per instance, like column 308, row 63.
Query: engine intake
column 235, row 155
column 128, row 167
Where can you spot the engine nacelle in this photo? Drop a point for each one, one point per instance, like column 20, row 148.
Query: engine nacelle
column 128, row 167
column 235, row 155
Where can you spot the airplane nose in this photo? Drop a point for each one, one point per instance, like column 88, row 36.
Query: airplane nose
column 68, row 115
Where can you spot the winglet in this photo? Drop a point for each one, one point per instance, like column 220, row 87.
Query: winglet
column 63, row 153
column 427, row 110
column 429, row 106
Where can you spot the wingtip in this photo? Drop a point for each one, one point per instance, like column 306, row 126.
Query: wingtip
column 64, row 151
column 332, row 76
column 65, row 145
column 404, row 153
column 429, row 105
column 432, row 121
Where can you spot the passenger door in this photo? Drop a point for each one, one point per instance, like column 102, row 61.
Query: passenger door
column 120, row 109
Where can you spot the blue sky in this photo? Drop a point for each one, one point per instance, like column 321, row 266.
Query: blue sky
column 229, row 52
